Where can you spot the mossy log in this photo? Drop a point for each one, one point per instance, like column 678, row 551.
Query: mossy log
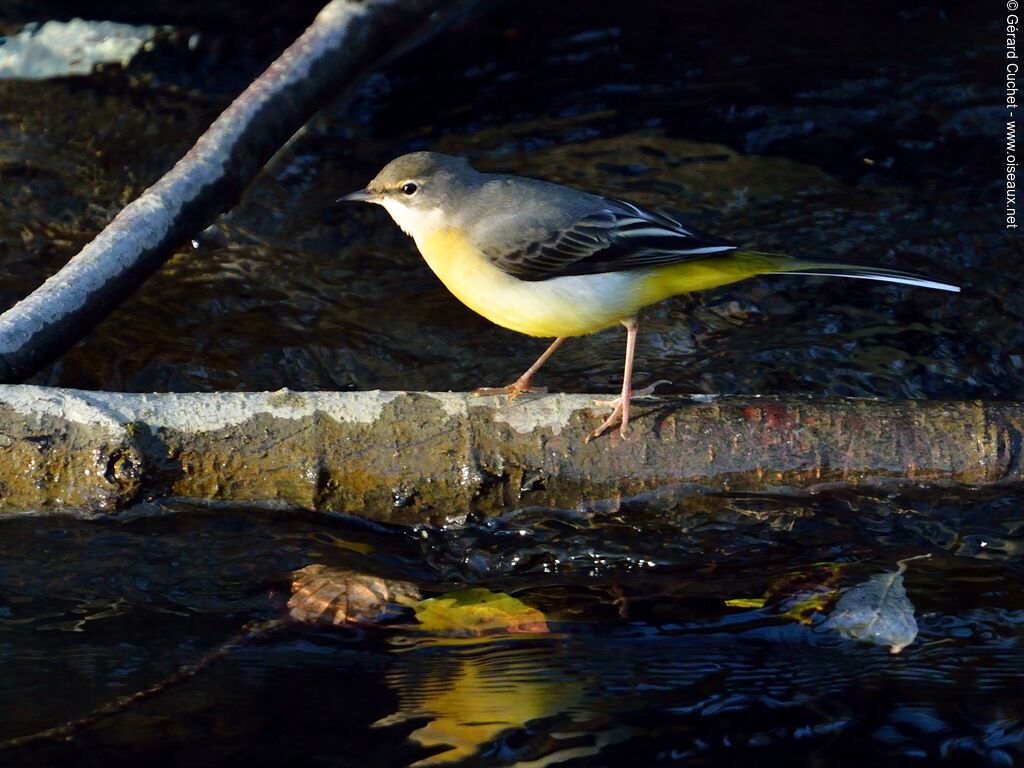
column 418, row 456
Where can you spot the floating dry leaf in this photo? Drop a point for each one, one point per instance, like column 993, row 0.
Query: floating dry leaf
column 877, row 611
column 475, row 612
column 340, row 596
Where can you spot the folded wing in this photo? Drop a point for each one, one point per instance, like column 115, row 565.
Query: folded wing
column 617, row 236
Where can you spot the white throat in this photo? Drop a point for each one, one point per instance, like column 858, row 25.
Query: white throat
column 415, row 222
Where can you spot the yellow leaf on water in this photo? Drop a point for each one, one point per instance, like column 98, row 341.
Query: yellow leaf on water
column 746, row 602
column 475, row 612
column 801, row 595
column 803, row 610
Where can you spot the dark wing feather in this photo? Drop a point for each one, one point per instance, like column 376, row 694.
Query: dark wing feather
column 616, row 237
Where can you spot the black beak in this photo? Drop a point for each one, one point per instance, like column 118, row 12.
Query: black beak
column 362, row 196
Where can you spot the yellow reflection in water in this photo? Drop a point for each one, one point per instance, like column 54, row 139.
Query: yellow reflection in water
column 472, row 690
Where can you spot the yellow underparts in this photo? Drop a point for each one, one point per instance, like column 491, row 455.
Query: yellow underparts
column 578, row 304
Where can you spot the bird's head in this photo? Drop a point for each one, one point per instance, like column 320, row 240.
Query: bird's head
column 420, row 190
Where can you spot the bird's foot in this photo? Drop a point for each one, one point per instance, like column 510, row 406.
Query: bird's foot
column 647, row 391
column 616, row 417
column 513, row 390
column 611, row 421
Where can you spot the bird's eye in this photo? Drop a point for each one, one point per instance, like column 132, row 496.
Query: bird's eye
column 409, row 188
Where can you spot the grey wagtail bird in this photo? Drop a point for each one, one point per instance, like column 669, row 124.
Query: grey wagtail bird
column 552, row 261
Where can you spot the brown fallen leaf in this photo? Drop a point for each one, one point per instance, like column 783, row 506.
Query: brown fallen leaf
column 338, row 596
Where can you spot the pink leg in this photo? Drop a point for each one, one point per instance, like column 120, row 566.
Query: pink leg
column 522, row 384
column 620, row 413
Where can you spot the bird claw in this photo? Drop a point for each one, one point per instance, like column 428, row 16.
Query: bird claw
column 611, row 421
column 513, row 390
column 648, row 391
column 616, row 406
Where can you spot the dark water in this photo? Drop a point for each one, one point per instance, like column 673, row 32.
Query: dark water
column 868, row 131
column 645, row 663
